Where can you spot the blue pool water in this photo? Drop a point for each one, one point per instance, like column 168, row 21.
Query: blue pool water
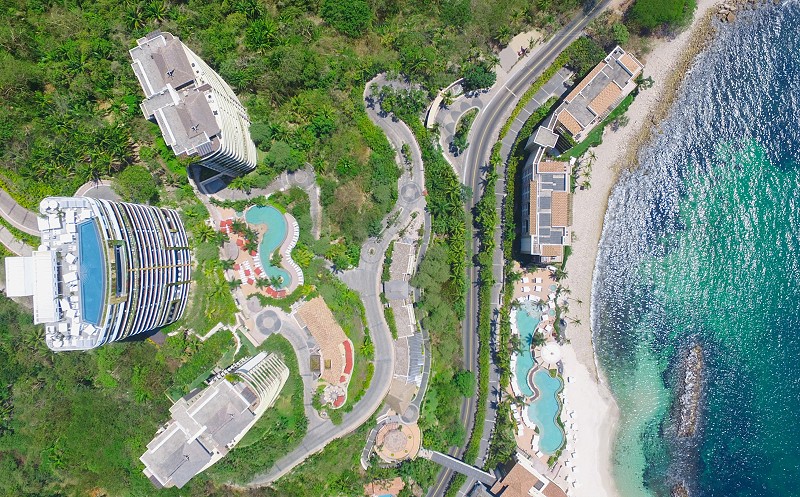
column 543, row 412
column 272, row 239
column 527, row 320
column 92, row 272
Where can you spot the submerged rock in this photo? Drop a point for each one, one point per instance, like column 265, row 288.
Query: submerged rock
column 679, row 490
column 689, row 391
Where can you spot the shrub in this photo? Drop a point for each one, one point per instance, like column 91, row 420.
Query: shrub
column 351, row 17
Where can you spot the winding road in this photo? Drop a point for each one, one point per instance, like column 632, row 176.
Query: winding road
column 365, row 279
column 483, row 135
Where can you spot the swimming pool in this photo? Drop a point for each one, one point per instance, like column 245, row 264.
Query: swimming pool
column 527, row 318
column 543, row 412
column 277, row 228
column 92, row 272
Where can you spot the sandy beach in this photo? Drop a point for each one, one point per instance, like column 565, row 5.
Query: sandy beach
column 586, row 393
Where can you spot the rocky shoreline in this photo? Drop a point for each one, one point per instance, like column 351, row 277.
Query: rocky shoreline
column 727, row 11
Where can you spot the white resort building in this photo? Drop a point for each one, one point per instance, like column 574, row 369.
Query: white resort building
column 198, row 113
column 546, row 199
column 208, row 423
column 104, row 271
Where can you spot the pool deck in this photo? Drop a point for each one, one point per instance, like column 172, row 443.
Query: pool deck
column 526, row 437
column 249, row 262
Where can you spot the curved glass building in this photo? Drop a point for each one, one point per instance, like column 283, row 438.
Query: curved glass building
column 105, row 271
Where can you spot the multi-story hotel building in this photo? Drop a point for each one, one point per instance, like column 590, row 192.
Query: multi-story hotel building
column 198, row 113
column 546, row 198
column 208, row 423
column 104, row 271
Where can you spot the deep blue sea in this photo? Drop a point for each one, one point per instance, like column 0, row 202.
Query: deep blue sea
column 701, row 244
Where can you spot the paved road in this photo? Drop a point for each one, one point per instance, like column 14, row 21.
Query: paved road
column 102, row 189
column 483, row 135
column 366, row 281
column 18, row 216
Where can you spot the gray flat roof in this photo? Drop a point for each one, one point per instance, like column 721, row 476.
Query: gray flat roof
column 200, row 427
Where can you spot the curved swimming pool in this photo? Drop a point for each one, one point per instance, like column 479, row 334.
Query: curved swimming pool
column 544, row 410
column 527, row 318
column 277, row 228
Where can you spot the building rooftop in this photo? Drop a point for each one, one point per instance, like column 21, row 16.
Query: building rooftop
column 178, row 97
column 599, row 91
column 205, row 425
column 402, row 265
column 559, row 208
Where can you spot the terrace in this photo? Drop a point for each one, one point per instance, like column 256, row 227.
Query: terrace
column 335, row 349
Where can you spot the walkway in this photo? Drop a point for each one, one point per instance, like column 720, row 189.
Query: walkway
column 13, row 244
column 18, row 216
column 304, row 179
column 471, row 472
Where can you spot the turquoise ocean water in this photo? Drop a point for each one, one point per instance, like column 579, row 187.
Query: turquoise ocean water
column 701, row 244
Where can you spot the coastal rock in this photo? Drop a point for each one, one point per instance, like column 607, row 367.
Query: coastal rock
column 730, row 17
column 689, row 392
column 679, row 490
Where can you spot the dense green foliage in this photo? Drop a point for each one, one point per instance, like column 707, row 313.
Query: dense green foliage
column 582, row 55
column 477, row 77
column 647, row 16
column 202, row 357
column 136, row 184
column 351, row 17
column 462, row 130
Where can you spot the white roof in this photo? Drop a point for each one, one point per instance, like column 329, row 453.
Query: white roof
column 36, row 276
column 19, row 276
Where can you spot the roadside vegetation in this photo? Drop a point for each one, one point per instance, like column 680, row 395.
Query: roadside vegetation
column 460, row 144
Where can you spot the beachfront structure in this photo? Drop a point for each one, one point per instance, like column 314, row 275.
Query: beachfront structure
column 597, row 94
column 104, row 271
column 546, row 205
column 198, row 113
column 521, row 480
column 208, row 423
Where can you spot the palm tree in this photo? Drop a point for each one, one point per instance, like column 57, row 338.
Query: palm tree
column 205, row 233
column 156, row 10
column 447, row 99
column 226, row 264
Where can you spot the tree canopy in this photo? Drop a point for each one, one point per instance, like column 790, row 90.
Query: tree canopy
column 477, row 76
column 351, row 17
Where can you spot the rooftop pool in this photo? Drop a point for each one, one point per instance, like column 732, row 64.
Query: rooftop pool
column 277, row 229
column 543, row 411
column 92, row 272
column 527, row 318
